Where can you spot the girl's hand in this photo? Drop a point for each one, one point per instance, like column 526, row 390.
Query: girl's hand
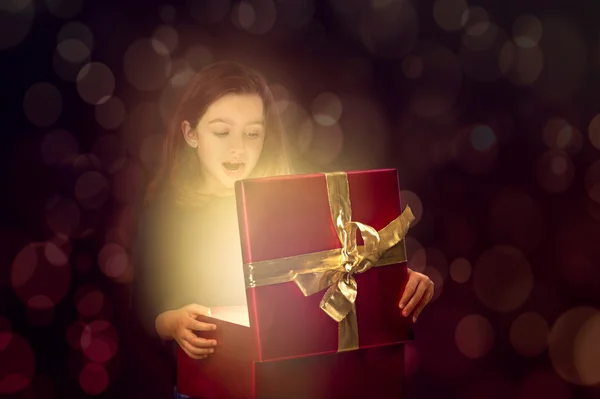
column 417, row 294
column 180, row 325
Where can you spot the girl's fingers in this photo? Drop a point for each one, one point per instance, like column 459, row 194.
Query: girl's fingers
column 424, row 301
column 410, row 288
column 195, row 350
column 197, row 357
column 199, row 342
column 196, row 310
column 195, row 325
column 416, row 298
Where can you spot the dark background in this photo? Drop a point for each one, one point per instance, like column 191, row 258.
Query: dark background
column 490, row 117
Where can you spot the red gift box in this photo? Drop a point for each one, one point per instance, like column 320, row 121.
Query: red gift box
column 292, row 347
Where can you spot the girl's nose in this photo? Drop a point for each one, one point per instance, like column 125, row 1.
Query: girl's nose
column 236, row 145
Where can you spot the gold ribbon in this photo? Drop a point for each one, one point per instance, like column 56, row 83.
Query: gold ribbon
column 335, row 269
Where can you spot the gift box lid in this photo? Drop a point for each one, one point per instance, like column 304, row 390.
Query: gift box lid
column 289, row 216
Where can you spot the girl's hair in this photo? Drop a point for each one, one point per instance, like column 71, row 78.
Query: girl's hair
column 179, row 170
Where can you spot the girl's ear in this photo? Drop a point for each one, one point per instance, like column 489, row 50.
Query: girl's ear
column 189, row 134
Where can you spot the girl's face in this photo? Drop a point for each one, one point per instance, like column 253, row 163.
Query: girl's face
column 228, row 139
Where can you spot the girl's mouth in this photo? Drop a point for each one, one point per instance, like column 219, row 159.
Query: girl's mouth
column 233, row 168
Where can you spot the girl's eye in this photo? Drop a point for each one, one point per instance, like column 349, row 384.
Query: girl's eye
column 220, row 134
column 253, row 135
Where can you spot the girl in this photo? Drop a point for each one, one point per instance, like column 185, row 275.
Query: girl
column 225, row 128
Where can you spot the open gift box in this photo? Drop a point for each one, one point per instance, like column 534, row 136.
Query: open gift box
column 324, row 264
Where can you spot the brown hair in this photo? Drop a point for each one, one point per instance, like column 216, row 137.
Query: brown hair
column 180, row 167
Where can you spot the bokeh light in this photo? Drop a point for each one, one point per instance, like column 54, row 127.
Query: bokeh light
column 474, row 336
column 210, row 11
column 167, row 13
column 93, row 379
column 295, row 14
column 450, row 14
column 58, row 145
column 326, row 144
column 482, row 138
column 594, row 131
column 111, row 113
column 592, row 182
column 99, row 341
column 113, row 260
column 560, row 134
column 38, row 281
column 543, row 383
column 437, row 260
column 73, row 334
column 527, row 31
column 197, row 57
column 565, row 60
column 17, row 365
column 281, row 95
column 326, row 109
column 92, row 190
column 40, row 313
column 483, row 53
column 502, row 278
column 75, row 43
column 477, row 150
column 43, row 104
column 587, row 351
column 529, row 334
column 256, row 17
column 64, row 8
column 95, row 83
column 146, row 69
column 15, row 6
column 16, row 19
column 391, row 30
column 110, row 151
column 73, row 50
column 165, row 40
column 555, row 171
column 460, row 270
column 299, row 119
column 89, row 301
column 479, row 31
column 78, row 31
column 63, row 216
column 526, row 65
column 412, row 66
column 5, row 332
column 573, row 351
column 436, row 82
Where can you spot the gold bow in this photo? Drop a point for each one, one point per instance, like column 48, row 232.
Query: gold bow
column 335, row 269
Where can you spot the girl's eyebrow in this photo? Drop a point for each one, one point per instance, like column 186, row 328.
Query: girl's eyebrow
column 221, row 120
column 230, row 122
